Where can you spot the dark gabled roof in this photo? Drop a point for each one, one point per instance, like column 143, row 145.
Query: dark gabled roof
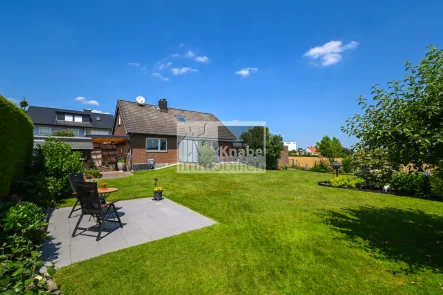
column 148, row 119
column 48, row 116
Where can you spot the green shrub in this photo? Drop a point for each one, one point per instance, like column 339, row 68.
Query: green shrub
column 375, row 178
column 206, row 156
column 56, row 160
column 28, row 220
column 65, row 133
column 403, row 182
column 436, row 181
column 346, row 181
column 23, row 232
column 16, row 142
column 348, row 166
column 418, row 184
column 321, row 166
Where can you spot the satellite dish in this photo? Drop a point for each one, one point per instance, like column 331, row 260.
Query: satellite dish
column 140, row 99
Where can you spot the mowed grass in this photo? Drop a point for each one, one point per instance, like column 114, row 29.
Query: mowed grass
column 277, row 233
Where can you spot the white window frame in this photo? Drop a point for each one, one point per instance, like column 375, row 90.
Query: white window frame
column 39, row 132
column 72, row 117
column 76, row 117
column 158, row 146
column 119, row 120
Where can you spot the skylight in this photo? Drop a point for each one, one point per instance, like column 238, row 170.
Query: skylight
column 182, row 119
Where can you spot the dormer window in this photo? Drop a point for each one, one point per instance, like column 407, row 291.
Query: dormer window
column 73, row 118
column 182, row 119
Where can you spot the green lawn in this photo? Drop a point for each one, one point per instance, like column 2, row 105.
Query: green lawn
column 277, row 233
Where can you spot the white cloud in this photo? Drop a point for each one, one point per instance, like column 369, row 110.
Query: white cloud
column 83, row 100
column 135, row 64
column 330, row 52
column 163, row 66
column 182, row 44
column 202, row 59
column 181, row 71
column 246, row 72
column 190, row 54
column 175, row 55
column 160, row 76
column 99, row 112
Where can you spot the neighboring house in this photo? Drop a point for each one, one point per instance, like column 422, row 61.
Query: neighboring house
column 292, row 145
column 49, row 120
column 167, row 135
column 311, row 150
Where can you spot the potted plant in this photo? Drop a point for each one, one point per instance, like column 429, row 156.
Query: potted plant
column 158, row 191
column 121, row 164
column 95, row 173
column 88, row 174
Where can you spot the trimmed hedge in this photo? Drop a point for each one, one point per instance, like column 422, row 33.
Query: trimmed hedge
column 16, row 144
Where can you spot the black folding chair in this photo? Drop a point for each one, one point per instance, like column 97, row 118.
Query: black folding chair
column 73, row 178
column 91, row 205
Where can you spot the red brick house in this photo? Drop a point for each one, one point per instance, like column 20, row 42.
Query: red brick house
column 167, row 135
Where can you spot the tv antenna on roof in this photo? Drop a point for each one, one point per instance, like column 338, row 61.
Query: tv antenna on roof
column 140, row 100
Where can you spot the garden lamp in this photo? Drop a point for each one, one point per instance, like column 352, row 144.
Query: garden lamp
column 336, row 165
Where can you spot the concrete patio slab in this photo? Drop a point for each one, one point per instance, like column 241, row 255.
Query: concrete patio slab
column 144, row 220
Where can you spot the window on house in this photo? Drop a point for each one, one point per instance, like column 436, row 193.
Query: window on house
column 99, row 132
column 78, row 119
column 156, row 145
column 44, row 131
column 68, row 118
column 119, row 120
column 182, row 119
column 76, row 132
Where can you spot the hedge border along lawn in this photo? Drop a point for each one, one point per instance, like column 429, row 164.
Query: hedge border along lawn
column 16, row 143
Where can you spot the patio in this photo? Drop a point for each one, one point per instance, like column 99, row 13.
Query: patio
column 144, row 220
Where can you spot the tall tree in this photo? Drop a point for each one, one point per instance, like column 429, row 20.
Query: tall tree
column 24, row 104
column 330, row 148
column 259, row 137
column 406, row 119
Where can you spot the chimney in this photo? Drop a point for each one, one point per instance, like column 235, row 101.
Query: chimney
column 87, row 110
column 163, row 105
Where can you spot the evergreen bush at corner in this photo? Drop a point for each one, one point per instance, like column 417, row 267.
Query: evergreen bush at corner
column 16, row 142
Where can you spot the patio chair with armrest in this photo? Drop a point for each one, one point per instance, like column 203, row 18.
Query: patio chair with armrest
column 73, row 178
column 91, row 205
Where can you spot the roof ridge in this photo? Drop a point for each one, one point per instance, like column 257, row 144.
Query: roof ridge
column 169, row 107
column 82, row 111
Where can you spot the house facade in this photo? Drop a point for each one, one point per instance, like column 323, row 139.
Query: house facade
column 167, row 135
column 50, row 120
column 292, row 145
column 311, row 150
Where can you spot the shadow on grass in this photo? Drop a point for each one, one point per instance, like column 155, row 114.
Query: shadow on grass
column 409, row 236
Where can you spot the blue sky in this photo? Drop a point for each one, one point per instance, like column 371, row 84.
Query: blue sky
column 241, row 60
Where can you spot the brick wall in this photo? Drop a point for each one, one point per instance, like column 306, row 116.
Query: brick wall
column 140, row 155
column 119, row 129
column 307, row 162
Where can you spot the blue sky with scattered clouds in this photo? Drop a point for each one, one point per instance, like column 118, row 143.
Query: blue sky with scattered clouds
column 297, row 66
